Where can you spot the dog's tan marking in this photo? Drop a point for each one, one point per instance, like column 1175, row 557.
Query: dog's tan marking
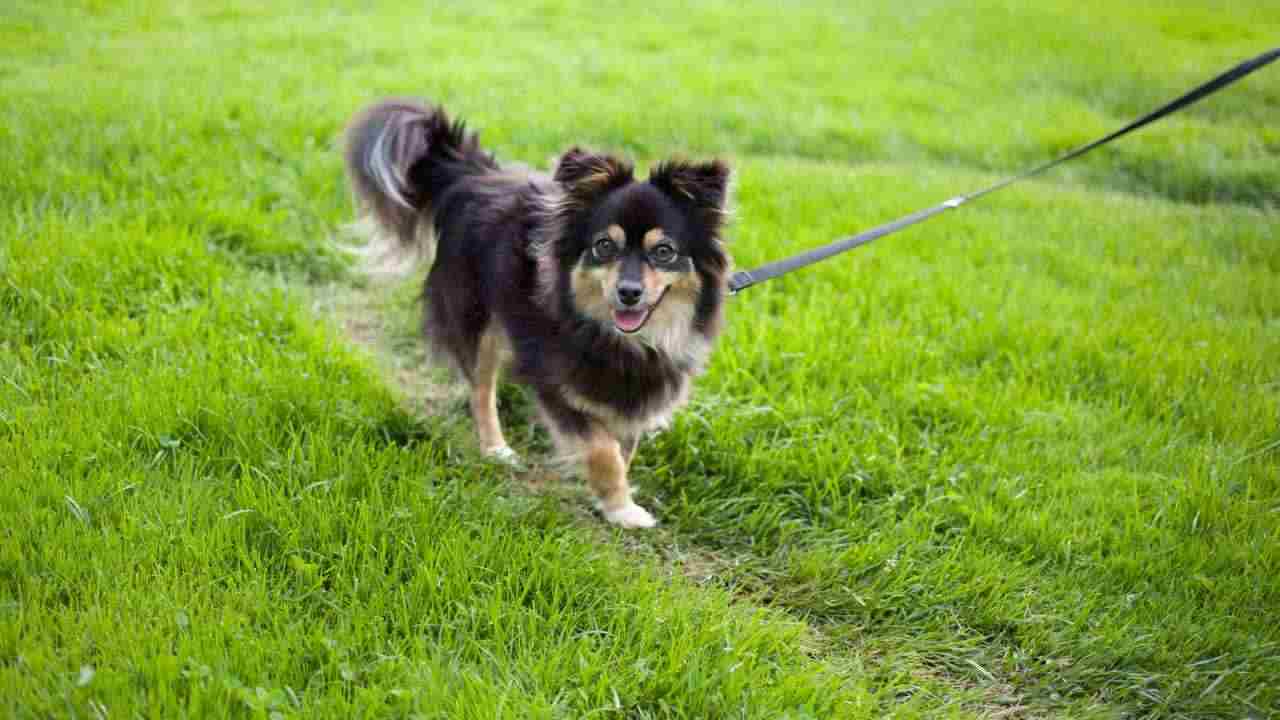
column 484, row 390
column 606, row 470
column 653, row 237
column 617, row 234
column 591, row 287
column 690, row 281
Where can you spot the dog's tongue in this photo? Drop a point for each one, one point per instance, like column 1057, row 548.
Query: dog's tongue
column 629, row 320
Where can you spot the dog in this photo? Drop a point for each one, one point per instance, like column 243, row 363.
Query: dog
column 600, row 292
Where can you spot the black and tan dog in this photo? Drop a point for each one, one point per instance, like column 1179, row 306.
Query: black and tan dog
column 599, row 291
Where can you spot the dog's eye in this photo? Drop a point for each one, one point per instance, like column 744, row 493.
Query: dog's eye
column 663, row 254
column 604, row 249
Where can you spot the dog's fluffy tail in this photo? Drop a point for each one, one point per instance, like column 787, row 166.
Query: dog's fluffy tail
column 401, row 155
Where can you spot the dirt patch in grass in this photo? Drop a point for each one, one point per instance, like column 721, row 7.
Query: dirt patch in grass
column 365, row 316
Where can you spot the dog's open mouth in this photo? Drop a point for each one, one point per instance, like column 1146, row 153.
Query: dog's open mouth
column 629, row 321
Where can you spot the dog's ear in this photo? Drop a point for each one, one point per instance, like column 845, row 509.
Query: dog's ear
column 702, row 188
column 587, row 175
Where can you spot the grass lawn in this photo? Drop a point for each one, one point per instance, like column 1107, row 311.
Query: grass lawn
column 1023, row 461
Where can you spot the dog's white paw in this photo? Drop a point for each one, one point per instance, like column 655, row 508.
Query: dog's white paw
column 630, row 515
column 504, row 455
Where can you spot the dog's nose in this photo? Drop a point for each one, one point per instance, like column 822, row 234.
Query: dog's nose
column 629, row 292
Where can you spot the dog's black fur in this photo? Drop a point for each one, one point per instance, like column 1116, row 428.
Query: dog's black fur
column 520, row 258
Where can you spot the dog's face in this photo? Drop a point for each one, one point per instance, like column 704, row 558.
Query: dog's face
column 644, row 258
column 634, row 260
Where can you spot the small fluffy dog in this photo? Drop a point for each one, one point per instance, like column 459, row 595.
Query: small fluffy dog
column 599, row 291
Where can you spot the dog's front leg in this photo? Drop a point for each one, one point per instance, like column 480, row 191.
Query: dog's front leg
column 606, row 467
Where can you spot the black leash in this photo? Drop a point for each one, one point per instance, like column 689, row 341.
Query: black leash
column 746, row 278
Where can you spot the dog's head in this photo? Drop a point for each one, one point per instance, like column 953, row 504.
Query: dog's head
column 642, row 258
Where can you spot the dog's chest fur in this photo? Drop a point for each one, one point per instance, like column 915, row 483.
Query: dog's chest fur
column 629, row 385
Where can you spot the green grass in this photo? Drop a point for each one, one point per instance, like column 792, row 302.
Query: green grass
column 1017, row 462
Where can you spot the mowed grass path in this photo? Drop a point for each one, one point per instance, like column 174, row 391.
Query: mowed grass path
column 1021, row 461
